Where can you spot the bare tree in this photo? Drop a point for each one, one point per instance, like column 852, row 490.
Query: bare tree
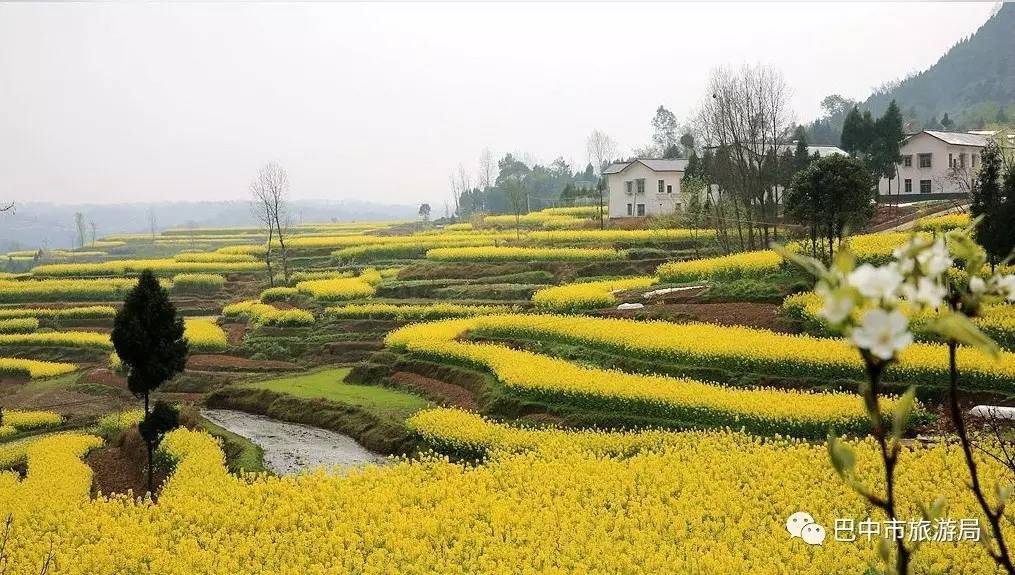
column 745, row 116
column 270, row 190
column 94, row 228
column 601, row 150
column 487, row 167
column 153, row 223
column 79, row 223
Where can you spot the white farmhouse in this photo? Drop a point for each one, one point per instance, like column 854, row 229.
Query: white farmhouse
column 644, row 187
column 936, row 165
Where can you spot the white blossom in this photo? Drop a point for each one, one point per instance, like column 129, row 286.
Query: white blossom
column 925, row 292
column 1006, row 286
column 877, row 283
column 882, row 333
column 838, row 304
column 934, row 260
column 977, row 285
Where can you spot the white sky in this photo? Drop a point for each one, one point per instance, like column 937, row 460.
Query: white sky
column 151, row 102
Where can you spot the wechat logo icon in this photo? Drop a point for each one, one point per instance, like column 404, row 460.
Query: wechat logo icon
column 801, row 524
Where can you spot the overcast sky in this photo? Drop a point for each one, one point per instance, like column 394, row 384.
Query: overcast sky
column 149, row 102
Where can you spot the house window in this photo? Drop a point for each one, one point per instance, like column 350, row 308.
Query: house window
column 662, row 186
column 962, row 160
column 669, row 189
column 951, row 161
column 925, row 160
column 924, row 186
column 629, row 212
column 641, row 185
column 907, row 161
column 628, row 184
column 641, row 209
column 909, row 186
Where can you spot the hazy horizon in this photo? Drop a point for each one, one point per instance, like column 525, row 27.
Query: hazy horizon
column 108, row 103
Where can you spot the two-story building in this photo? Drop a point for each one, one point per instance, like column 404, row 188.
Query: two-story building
column 936, row 165
column 644, row 187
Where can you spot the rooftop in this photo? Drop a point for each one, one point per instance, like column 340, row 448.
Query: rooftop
column 656, row 165
column 958, row 138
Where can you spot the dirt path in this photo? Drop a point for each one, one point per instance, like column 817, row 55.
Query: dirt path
column 291, row 448
column 447, row 393
column 750, row 314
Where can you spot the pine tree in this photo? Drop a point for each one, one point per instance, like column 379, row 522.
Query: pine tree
column 851, row 128
column 947, row 122
column 148, row 338
column 988, row 203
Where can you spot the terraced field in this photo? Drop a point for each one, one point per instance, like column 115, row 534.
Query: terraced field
column 673, row 435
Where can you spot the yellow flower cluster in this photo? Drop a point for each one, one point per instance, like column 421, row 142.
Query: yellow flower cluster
column 939, row 224
column 713, row 502
column 32, row 369
column 414, row 248
column 545, row 378
column 535, row 219
column 15, row 421
column 459, row 227
column 112, row 423
column 336, row 289
column 265, row 314
column 511, row 253
column 413, row 312
column 204, row 335
column 587, row 295
column 743, row 349
column 65, row 290
column 213, row 257
column 134, row 267
column 86, row 312
column 575, row 211
column 732, row 266
column 996, row 320
column 874, row 248
column 82, row 339
column 466, row 433
column 650, row 236
column 19, row 325
column 280, row 293
column 200, row 283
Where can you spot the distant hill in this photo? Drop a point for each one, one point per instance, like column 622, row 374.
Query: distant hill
column 36, row 224
column 974, row 82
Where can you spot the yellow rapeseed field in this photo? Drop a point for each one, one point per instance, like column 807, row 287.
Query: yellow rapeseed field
column 513, row 253
column 699, row 502
column 203, row 334
column 544, row 378
column 744, row 349
column 30, row 368
column 587, row 295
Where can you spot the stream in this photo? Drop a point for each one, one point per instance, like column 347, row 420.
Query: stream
column 292, row 448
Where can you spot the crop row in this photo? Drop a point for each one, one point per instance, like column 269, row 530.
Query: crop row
column 163, row 267
column 996, row 320
column 544, row 378
column 67, row 290
column 32, row 369
column 87, row 312
column 266, row 314
column 413, row 312
column 512, row 253
column 743, row 349
column 587, row 295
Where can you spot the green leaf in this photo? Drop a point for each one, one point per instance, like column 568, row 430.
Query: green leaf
column 843, row 458
column 903, row 409
column 958, row 327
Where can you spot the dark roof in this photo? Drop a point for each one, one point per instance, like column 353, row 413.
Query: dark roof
column 678, row 165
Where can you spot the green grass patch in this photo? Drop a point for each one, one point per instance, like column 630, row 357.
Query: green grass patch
column 330, row 384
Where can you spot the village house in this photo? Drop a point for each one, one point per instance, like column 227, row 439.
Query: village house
column 936, row 165
column 644, row 187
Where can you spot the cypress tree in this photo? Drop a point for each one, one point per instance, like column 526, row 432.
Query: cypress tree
column 987, row 202
column 148, row 338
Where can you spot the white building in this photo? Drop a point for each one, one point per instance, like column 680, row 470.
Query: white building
column 644, row 187
column 936, row 164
